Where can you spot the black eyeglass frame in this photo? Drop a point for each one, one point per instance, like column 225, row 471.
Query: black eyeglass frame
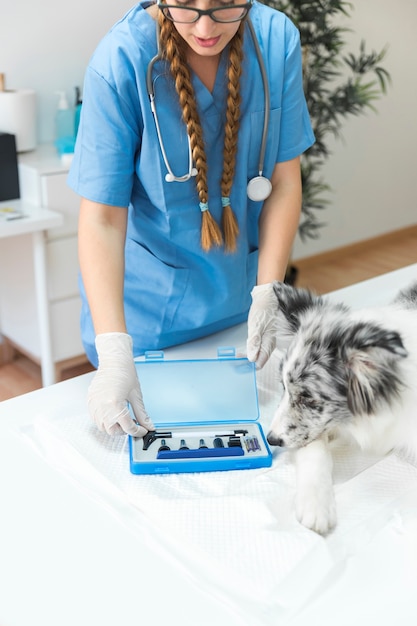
column 210, row 12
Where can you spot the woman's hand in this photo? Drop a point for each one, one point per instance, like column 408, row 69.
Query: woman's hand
column 262, row 324
column 114, row 386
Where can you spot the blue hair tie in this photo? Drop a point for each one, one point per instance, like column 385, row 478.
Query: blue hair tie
column 203, row 206
column 225, row 201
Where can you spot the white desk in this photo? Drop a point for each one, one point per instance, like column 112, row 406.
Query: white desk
column 35, row 221
column 85, row 543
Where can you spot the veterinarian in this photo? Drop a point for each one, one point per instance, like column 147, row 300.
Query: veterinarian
column 183, row 105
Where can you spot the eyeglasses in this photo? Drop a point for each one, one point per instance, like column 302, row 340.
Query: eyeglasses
column 189, row 15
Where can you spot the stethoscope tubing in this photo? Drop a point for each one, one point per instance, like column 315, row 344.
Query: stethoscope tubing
column 170, row 177
column 267, row 98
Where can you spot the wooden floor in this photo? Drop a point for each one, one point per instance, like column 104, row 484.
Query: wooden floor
column 322, row 273
column 351, row 264
column 23, row 375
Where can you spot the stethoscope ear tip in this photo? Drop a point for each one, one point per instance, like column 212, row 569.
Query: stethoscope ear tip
column 259, row 188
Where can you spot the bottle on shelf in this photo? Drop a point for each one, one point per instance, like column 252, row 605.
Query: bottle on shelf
column 78, row 103
column 64, row 126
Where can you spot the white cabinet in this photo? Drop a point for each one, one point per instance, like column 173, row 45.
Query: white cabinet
column 42, row 178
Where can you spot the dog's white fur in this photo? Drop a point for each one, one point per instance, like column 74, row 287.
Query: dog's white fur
column 346, row 373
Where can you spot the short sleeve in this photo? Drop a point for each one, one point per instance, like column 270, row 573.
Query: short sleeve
column 296, row 131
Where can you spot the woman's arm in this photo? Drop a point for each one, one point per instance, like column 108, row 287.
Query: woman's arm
column 115, row 387
column 279, row 221
column 101, row 241
column 278, row 225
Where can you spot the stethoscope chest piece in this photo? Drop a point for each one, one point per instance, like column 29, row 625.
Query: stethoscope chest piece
column 259, row 188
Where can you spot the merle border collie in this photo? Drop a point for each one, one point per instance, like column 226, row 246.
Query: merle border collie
column 349, row 374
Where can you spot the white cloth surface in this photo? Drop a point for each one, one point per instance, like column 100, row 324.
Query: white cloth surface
column 236, row 531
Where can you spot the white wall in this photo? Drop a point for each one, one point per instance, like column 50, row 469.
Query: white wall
column 45, row 45
column 372, row 171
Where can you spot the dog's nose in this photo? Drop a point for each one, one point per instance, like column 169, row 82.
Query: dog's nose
column 275, row 440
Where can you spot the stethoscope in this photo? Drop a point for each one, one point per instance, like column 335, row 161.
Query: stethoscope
column 259, row 187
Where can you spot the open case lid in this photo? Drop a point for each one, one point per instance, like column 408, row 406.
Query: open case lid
column 199, row 391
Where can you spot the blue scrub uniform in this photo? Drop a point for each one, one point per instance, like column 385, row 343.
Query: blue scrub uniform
column 174, row 291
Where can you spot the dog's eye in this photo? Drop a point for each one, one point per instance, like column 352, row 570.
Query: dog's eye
column 307, row 400
column 305, row 397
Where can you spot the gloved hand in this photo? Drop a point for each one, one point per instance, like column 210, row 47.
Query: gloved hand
column 262, row 324
column 114, row 385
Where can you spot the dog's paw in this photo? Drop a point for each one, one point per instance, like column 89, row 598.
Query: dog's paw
column 317, row 510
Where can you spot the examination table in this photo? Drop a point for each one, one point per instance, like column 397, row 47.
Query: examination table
column 84, row 542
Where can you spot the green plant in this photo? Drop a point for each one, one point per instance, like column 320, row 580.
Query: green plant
column 337, row 85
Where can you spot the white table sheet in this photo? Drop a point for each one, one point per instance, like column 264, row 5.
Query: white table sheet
column 83, row 541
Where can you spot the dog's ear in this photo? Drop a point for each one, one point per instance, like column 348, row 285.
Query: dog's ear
column 407, row 297
column 293, row 302
column 372, row 355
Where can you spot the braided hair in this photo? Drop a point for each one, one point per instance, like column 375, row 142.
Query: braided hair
column 174, row 49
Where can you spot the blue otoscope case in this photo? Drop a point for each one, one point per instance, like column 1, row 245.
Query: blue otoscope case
column 205, row 412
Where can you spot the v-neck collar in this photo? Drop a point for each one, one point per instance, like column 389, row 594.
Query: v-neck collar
column 216, row 98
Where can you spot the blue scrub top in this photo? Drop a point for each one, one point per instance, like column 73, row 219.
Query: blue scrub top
column 174, row 291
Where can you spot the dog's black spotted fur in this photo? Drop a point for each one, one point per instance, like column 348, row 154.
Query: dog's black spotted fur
column 344, row 372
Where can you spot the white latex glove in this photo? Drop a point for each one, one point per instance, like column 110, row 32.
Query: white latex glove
column 262, row 324
column 114, row 385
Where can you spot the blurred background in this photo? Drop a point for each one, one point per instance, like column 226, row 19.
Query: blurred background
column 369, row 224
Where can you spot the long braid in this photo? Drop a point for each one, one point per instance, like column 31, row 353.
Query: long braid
column 229, row 222
column 174, row 51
